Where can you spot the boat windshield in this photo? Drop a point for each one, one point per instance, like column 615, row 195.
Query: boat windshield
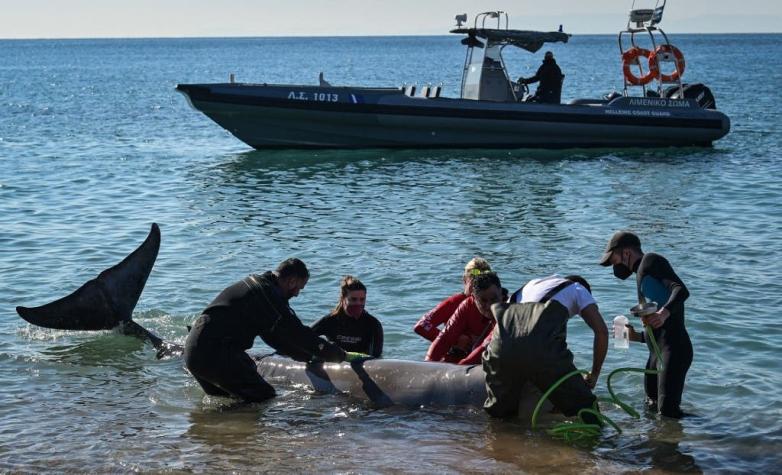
column 485, row 77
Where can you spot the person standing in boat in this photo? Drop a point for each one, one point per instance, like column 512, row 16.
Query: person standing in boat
column 528, row 344
column 427, row 325
column 550, row 79
column 656, row 281
column 349, row 325
column 472, row 318
column 215, row 349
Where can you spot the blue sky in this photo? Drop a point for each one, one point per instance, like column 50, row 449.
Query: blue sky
column 183, row 18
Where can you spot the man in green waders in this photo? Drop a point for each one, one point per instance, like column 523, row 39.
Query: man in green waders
column 528, row 344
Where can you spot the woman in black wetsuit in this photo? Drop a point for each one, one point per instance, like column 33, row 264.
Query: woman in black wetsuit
column 656, row 281
column 349, row 325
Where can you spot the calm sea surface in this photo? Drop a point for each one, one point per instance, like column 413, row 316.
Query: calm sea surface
column 95, row 145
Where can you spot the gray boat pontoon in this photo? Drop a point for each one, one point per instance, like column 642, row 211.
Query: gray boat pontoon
column 655, row 109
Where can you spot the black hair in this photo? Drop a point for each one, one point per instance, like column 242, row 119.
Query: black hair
column 292, row 267
column 484, row 281
column 580, row 280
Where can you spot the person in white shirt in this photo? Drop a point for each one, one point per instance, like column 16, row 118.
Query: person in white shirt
column 577, row 298
column 529, row 344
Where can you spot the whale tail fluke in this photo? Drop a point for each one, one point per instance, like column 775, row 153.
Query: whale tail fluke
column 106, row 301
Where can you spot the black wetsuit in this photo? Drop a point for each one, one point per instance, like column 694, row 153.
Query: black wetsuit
column 550, row 88
column 658, row 282
column 361, row 335
column 215, row 348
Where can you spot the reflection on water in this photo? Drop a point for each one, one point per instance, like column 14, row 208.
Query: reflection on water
column 660, row 448
column 109, row 350
column 663, row 449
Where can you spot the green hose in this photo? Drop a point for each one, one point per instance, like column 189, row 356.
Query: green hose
column 650, row 336
column 551, row 390
column 575, row 431
column 614, row 398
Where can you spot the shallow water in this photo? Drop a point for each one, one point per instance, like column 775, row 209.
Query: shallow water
column 95, row 145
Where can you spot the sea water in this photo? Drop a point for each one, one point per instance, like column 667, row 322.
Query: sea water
column 95, row 145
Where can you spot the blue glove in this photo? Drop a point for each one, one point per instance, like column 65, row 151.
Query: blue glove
column 352, row 357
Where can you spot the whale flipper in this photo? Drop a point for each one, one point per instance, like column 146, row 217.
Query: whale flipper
column 105, row 301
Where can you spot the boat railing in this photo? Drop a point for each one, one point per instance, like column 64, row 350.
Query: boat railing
column 644, row 22
column 495, row 15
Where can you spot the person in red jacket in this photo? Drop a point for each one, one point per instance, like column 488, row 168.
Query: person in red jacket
column 428, row 323
column 473, row 318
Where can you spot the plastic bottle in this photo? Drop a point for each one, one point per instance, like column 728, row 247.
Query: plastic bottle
column 621, row 336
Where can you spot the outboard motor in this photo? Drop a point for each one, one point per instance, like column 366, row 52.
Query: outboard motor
column 697, row 91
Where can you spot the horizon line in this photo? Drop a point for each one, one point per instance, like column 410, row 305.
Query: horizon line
column 335, row 36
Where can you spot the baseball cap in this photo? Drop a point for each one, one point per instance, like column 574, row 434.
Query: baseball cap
column 619, row 239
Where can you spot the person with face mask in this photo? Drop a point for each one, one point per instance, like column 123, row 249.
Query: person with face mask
column 472, row 318
column 349, row 325
column 656, row 281
column 215, row 349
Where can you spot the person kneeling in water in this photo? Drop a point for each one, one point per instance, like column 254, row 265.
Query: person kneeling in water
column 349, row 325
column 528, row 344
column 473, row 318
column 255, row 306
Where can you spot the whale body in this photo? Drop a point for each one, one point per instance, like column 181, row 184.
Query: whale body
column 385, row 381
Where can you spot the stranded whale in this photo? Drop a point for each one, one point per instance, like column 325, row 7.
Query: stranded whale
column 107, row 302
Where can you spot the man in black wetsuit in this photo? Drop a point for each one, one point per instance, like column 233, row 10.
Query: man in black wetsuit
column 550, row 77
column 656, row 281
column 255, row 306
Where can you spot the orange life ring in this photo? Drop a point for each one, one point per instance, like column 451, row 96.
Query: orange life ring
column 678, row 58
column 630, row 57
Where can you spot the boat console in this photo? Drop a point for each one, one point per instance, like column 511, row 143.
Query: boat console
column 485, row 77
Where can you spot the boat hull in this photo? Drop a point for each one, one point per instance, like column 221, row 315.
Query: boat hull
column 278, row 116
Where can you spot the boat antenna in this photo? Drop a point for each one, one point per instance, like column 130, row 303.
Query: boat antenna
column 461, row 19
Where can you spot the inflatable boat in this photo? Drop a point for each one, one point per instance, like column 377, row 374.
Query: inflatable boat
column 655, row 108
